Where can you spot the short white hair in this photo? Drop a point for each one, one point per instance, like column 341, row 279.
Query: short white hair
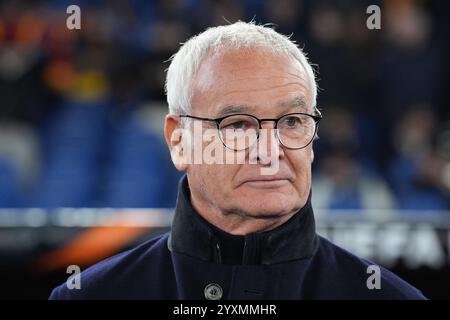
column 186, row 61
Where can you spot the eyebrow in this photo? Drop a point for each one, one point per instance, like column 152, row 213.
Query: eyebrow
column 232, row 109
column 296, row 102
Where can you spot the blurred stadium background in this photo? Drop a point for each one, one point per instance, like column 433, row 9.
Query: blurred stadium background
column 81, row 116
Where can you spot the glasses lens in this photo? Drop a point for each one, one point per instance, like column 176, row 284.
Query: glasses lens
column 239, row 132
column 296, row 130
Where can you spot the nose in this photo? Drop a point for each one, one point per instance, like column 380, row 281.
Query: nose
column 268, row 146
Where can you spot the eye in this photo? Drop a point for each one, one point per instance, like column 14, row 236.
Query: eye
column 238, row 123
column 244, row 125
column 291, row 122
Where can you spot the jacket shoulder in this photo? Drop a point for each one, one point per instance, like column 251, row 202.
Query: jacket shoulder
column 351, row 276
column 131, row 274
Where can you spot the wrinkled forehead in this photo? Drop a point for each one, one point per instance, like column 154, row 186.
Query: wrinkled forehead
column 250, row 78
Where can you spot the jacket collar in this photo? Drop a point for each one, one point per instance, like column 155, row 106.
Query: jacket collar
column 194, row 236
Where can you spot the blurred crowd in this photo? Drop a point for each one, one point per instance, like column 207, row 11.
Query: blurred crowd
column 81, row 110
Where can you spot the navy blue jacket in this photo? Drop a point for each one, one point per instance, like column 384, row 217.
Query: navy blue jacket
column 288, row 262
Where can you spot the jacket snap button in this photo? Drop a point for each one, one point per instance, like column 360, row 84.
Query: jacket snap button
column 213, row 292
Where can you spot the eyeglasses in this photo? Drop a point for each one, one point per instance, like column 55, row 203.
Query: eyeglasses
column 240, row 131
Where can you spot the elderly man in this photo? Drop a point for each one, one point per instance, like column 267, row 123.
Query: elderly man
column 241, row 125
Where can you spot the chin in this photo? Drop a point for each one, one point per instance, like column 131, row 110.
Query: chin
column 268, row 205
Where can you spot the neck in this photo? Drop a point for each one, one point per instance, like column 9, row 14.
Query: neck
column 194, row 236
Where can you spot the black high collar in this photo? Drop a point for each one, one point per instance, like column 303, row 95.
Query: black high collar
column 194, row 236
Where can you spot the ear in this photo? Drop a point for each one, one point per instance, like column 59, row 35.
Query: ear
column 174, row 134
column 312, row 155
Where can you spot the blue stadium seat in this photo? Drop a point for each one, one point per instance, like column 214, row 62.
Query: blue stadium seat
column 345, row 198
column 9, row 186
column 422, row 199
column 141, row 173
column 410, row 195
column 75, row 142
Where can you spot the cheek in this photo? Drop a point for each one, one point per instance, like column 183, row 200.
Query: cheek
column 301, row 162
column 215, row 179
